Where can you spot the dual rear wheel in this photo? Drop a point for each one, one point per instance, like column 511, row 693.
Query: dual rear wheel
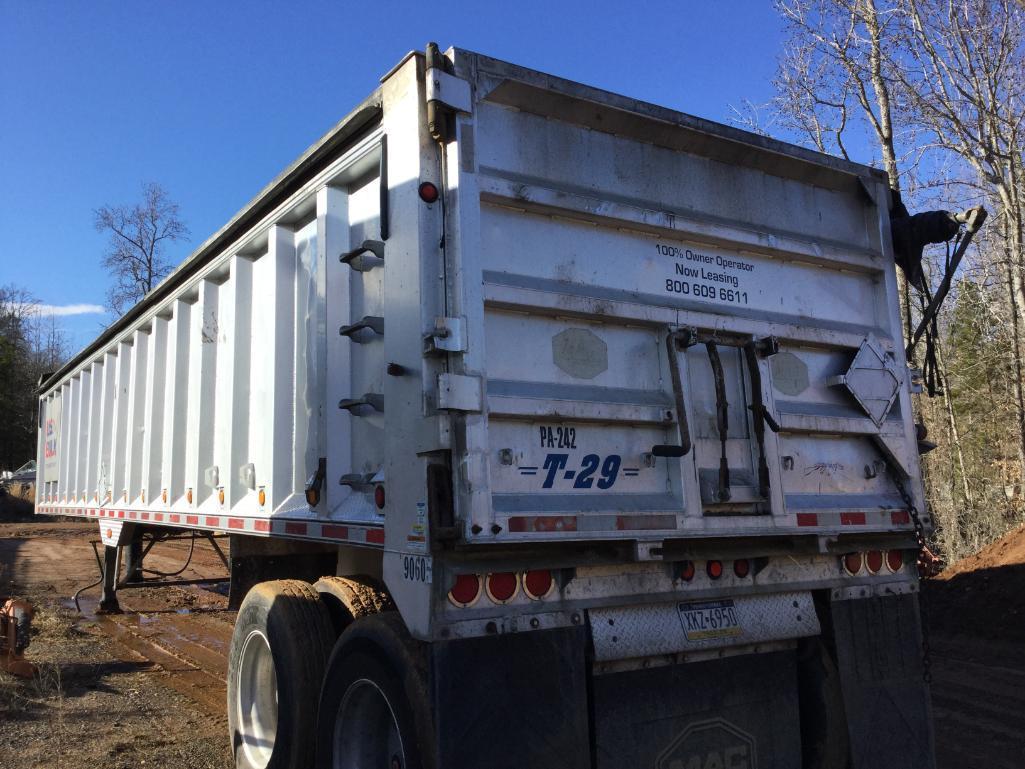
column 293, row 703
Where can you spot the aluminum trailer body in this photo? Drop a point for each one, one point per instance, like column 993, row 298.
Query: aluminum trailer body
column 606, row 402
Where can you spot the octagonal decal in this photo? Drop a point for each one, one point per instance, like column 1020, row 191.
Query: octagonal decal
column 580, row 353
column 712, row 744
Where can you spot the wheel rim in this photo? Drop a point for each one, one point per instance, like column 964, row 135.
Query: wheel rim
column 366, row 732
column 257, row 700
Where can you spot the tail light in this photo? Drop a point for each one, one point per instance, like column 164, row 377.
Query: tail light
column 538, row 584
column 894, row 560
column 687, row 571
column 714, row 569
column 379, row 497
column 465, row 591
column 428, row 192
column 852, row 563
column 874, row 561
column 502, row 586
column 742, row 567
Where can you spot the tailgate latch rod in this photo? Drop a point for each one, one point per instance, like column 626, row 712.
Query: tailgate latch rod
column 761, row 416
column 722, row 417
column 676, row 341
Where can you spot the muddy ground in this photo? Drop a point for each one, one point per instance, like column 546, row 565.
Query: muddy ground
column 146, row 688
column 142, row 689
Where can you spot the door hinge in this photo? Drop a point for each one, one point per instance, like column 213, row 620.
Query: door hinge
column 448, row 335
column 460, row 393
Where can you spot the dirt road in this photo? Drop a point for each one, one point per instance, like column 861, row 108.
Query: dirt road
column 146, row 688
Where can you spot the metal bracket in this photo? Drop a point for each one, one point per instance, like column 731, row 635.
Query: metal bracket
column 684, row 338
column 373, row 322
column 767, row 346
column 357, row 481
column 449, row 335
column 356, row 259
column 373, row 400
column 247, row 475
column 460, row 393
column 448, row 90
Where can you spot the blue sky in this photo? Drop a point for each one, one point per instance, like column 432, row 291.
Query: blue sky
column 213, row 99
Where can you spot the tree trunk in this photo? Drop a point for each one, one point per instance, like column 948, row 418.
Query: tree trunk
column 955, row 432
column 1013, row 292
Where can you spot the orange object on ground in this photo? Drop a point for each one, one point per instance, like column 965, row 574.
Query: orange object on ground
column 15, row 622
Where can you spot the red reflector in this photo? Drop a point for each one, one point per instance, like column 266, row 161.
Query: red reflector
column 501, row 587
column 465, row 591
column 428, row 192
column 894, row 560
column 379, row 497
column 714, row 569
column 742, row 567
column 807, row 519
column 899, row 517
column 537, row 584
column 874, row 561
column 687, row 571
column 852, row 563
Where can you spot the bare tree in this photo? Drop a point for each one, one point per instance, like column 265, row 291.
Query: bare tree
column 943, row 82
column 834, row 64
column 135, row 257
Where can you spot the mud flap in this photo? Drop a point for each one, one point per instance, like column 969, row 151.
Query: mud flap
column 879, row 656
column 512, row 701
column 734, row 713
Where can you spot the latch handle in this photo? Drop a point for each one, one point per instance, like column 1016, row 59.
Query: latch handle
column 357, row 261
column 374, row 322
column 674, row 341
column 374, row 400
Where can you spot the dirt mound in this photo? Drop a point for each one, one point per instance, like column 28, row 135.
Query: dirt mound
column 984, row 594
column 1009, row 550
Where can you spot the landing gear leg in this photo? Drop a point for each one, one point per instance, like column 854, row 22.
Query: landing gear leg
column 133, row 562
column 111, row 567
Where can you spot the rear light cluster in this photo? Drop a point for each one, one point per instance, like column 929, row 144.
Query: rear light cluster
column 872, row 562
column 501, row 587
column 714, row 569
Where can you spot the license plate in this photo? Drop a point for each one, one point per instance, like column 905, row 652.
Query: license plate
column 709, row 619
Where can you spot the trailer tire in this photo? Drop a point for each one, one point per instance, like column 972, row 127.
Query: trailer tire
column 279, row 650
column 824, row 738
column 349, row 598
column 373, row 706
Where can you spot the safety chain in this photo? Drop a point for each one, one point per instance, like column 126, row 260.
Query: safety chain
column 923, row 556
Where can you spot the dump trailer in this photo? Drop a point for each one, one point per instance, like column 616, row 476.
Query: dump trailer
column 549, row 428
